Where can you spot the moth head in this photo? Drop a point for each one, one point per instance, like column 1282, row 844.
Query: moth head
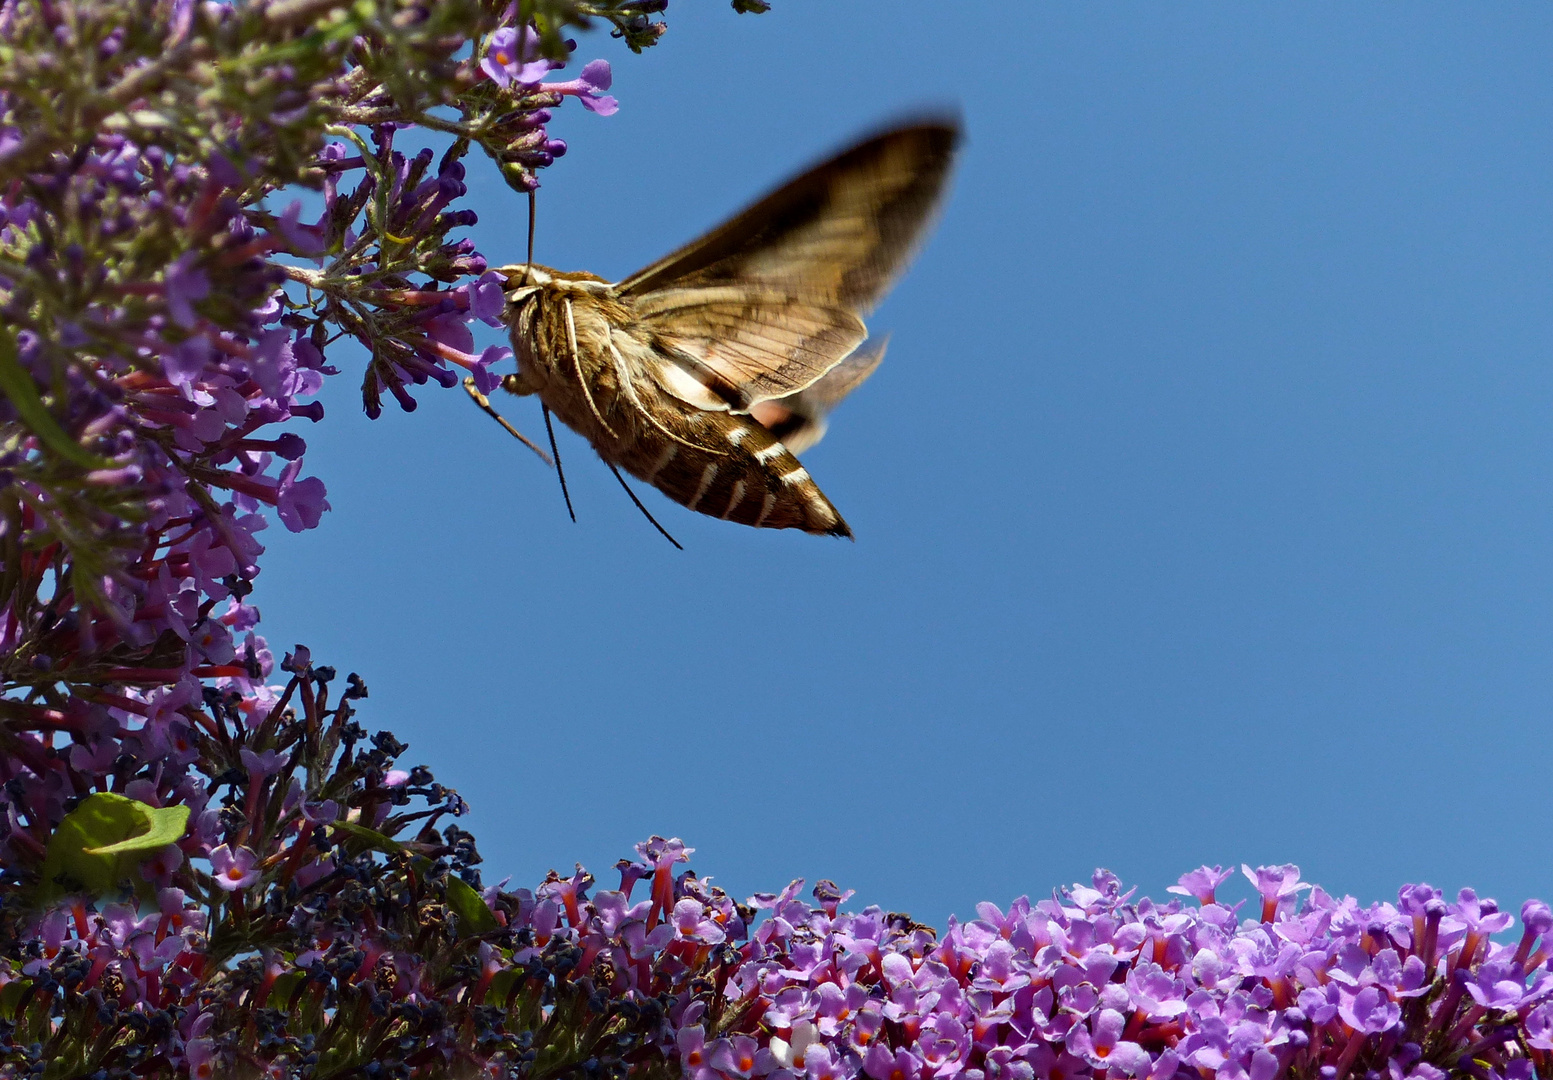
column 524, row 280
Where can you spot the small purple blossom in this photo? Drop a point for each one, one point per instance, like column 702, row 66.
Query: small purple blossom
column 1275, row 884
column 1498, row 985
column 486, row 380
column 299, row 503
column 488, row 298
column 186, row 284
column 512, row 56
column 588, row 88
column 1201, row 883
column 234, row 869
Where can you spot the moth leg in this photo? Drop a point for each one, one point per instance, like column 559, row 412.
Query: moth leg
column 515, row 385
column 485, row 403
column 587, row 395
column 645, row 512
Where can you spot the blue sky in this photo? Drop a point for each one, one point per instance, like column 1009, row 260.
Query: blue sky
column 1204, row 502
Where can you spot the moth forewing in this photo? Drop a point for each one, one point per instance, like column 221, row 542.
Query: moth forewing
column 686, row 373
column 844, row 229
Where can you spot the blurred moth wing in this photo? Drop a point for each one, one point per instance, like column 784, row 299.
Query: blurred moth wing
column 798, row 420
column 703, row 373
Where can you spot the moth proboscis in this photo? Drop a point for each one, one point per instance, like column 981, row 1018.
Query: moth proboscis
column 705, row 373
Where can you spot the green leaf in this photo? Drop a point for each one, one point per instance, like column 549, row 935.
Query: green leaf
column 103, row 840
column 23, row 395
column 11, row 996
column 165, row 826
column 371, row 837
column 501, row 987
column 283, row 993
column 473, row 916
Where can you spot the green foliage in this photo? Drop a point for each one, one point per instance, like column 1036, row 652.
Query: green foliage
column 473, row 916
column 102, row 842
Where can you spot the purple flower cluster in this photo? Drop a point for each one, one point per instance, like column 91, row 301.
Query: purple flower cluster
column 513, row 57
column 204, row 873
column 174, row 380
column 312, row 919
column 515, row 101
column 1088, row 983
column 163, row 330
column 417, row 330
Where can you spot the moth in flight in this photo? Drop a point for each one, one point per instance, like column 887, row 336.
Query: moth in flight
column 706, row 372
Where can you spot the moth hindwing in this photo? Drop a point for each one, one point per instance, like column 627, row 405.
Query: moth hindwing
column 702, row 373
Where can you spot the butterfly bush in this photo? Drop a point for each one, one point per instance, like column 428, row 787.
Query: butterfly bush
column 209, row 866
column 1087, row 983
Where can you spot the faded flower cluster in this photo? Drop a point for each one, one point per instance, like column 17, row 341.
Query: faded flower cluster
column 210, row 867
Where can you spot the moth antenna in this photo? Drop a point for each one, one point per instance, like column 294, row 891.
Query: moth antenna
column 485, row 403
column 571, row 339
column 646, row 512
column 559, row 472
